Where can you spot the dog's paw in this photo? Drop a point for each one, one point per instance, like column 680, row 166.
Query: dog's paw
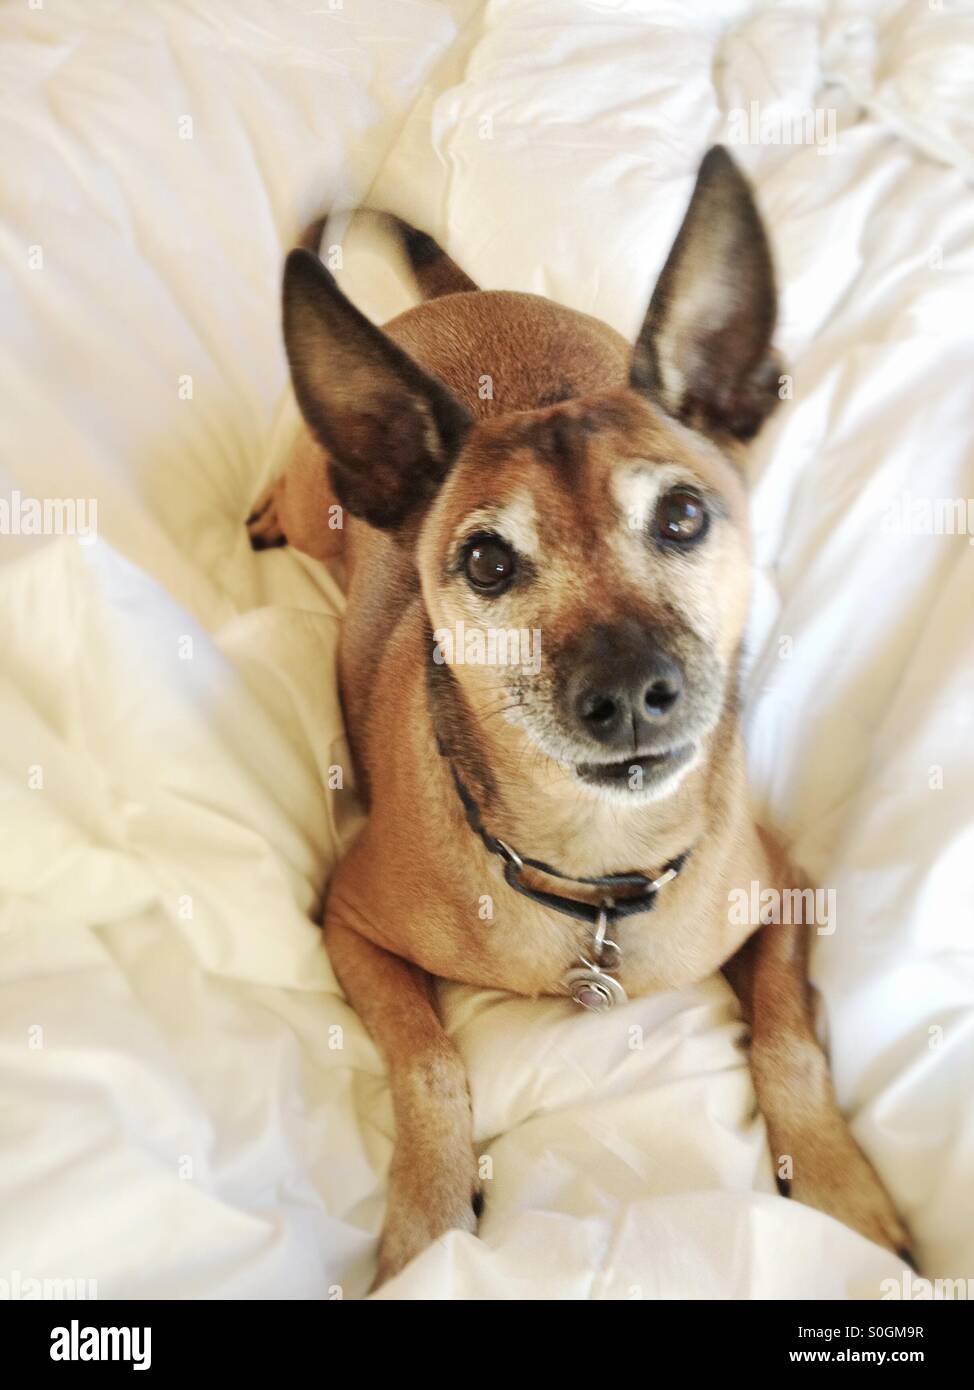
column 422, row 1207
column 838, row 1179
column 263, row 524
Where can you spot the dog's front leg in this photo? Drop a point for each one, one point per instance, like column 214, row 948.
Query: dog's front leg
column 816, row 1159
column 433, row 1177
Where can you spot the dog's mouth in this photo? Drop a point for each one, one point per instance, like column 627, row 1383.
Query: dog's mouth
column 635, row 773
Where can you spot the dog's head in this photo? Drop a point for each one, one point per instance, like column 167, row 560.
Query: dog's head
column 609, row 530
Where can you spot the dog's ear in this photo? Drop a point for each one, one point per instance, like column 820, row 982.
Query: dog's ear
column 704, row 350
column 391, row 430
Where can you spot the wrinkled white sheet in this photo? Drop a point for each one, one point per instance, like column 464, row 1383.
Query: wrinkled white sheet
column 188, row 1106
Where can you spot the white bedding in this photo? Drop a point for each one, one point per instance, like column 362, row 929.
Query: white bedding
column 188, row 1107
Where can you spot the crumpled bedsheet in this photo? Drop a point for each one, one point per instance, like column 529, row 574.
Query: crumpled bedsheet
column 189, row 1109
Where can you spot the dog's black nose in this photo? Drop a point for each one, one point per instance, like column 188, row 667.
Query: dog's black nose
column 622, row 695
column 663, row 691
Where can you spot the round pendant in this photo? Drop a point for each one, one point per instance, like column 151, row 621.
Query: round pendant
column 594, row 990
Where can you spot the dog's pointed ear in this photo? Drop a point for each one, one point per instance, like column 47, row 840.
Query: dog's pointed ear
column 391, row 430
column 704, row 350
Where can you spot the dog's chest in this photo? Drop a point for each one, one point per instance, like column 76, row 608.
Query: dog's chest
column 533, row 949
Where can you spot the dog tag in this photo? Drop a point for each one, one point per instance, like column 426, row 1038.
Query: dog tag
column 594, row 990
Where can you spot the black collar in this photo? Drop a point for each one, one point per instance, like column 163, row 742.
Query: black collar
column 608, row 910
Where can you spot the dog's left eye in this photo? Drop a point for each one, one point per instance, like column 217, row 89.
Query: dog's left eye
column 681, row 516
column 488, row 563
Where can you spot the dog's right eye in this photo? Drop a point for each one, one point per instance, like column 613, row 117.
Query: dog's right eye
column 488, row 563
column 681, row 516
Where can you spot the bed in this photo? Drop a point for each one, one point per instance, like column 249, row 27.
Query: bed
column 190, row 1110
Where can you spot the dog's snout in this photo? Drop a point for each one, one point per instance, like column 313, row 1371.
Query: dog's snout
column 624, row 688
column 663, row 691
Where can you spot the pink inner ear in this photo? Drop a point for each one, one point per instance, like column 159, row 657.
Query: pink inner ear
column 705, row 344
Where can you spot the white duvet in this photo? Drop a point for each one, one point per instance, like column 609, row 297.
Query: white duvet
column 187, row 1106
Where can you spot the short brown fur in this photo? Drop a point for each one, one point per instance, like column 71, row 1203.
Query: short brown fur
column 572, row 421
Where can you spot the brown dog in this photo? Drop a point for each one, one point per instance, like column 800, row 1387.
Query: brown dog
column 514, row 472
